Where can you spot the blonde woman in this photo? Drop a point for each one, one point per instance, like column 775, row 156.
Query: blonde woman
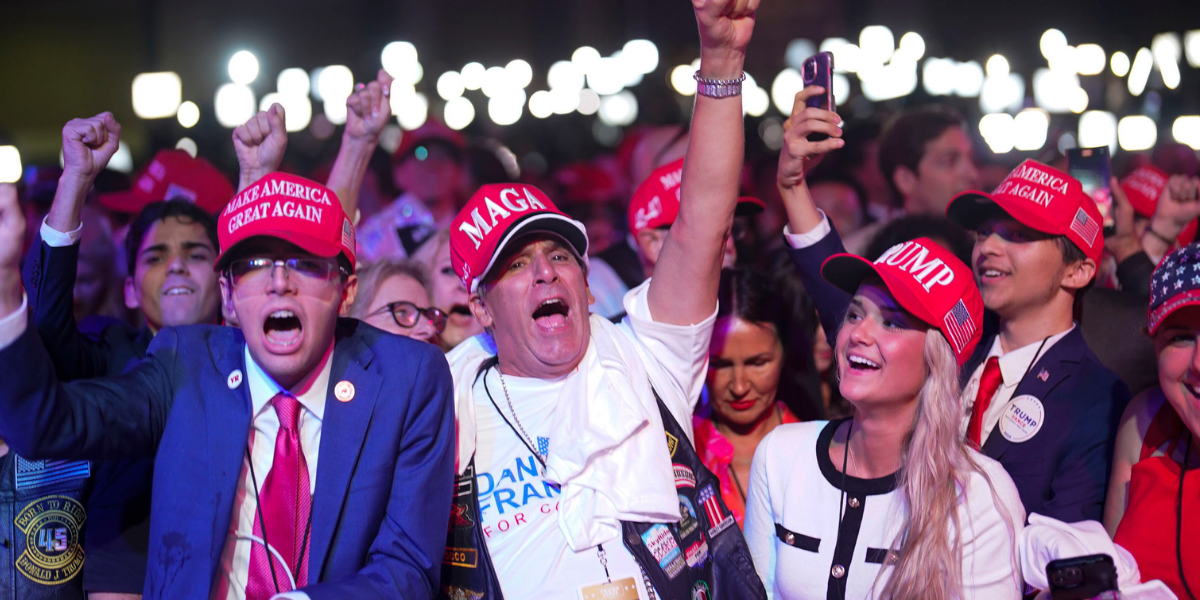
column 889, row 503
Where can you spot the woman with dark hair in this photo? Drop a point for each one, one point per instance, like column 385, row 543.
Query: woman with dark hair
column 750, row 390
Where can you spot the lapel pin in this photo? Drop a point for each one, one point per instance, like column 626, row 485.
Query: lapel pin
column 343, row 391
column 1044, row 375
column 235, row 379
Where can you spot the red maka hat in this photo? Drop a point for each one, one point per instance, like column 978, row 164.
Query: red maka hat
column 1143, row 188
column 494, row 217
column 173, row 174
column 1041, row 197
column 928, row 281
column 290, row 208
column 655, row 202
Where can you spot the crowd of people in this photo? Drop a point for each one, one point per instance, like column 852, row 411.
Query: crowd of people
column 844, row 372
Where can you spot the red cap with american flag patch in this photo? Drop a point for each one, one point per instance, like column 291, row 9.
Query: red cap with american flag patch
column 1040, row 197
column 928, row 281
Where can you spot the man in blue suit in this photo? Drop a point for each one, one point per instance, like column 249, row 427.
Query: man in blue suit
column 1036, row 398
column 282, row 469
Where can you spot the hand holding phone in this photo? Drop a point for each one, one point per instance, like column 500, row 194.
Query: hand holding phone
column 818, row 70
column 1092, row 168
column 1082, row 577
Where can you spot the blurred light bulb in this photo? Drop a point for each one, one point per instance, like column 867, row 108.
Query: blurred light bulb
column 188, row 115
column 472, row 76
column 450, row 85
column 293, row 82
column 1098, row 128
column 998, row 131
column 1120, row 64
column 1052, row 41
column 188, row 145
column 1137, row 132
column 997, row 66
column 541, row 104
column 243, row 67
column 234, row 105
column 156, row 95
column 1031, row 126
column 459, row 113
column 10, row 164
column 519, row 73
column 1090, row 59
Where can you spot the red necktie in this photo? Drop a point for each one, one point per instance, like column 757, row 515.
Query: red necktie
column 989, row 382
column 285, row 501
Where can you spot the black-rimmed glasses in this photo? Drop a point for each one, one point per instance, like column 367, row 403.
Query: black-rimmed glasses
column 406, row 314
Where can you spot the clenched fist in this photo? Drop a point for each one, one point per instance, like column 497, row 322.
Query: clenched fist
column 259, row 144
column 88, row 144
column 368, row 109
column 12, row 238
column 725, row 25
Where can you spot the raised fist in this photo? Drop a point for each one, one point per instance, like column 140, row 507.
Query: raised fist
column 369, row 108
column 88, row 144
column 725, row 25
column 12, row 228
column 799, row 155
column 260, row 143
column 1178, row 205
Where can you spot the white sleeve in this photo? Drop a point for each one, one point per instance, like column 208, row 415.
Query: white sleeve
column 808, row 238
column 57, row 239
column 680, row 350
column 290, row 596
column 14, row 324
column 759, row 522
column 991, row 523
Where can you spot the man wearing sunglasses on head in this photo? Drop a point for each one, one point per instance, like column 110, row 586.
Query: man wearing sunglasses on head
column 306, row 456
column 393, row 295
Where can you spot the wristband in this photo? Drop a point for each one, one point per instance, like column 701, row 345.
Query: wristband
column 718, row 88
column 1168, row 241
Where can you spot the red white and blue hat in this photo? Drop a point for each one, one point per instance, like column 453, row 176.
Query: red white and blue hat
column 1174, row 285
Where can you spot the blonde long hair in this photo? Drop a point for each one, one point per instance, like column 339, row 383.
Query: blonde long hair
column 935, row 467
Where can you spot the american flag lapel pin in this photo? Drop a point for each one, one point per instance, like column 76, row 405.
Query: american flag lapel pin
column 1044, row 375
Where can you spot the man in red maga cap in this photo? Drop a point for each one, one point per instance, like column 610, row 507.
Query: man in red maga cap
column 577, row 474
column 272, row 440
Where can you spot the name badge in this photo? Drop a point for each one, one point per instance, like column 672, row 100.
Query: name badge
column 1022, row 418
column 621, row 589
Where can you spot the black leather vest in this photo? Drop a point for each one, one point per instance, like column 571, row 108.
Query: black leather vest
column 42, row 511
column 702, row 557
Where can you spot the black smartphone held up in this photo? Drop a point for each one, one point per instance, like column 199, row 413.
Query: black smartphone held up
column 1092, row 168
column 1082, row 577
column 818, row 70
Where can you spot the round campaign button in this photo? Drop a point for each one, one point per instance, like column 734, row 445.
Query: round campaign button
column 344, row 391
column 1022, row 418
column 235, row 379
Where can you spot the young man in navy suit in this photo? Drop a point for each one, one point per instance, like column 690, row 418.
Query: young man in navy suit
column 1036, row 398
column 282, row 468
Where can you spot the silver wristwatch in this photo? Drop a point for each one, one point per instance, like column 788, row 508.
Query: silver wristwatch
column 718, row 88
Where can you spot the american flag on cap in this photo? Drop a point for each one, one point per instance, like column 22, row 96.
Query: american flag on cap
column 1174, row 285
column 959, row 326
column 1087, row 227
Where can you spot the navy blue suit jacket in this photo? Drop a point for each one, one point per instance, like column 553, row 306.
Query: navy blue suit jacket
column 384, row 477
column 1063, row 470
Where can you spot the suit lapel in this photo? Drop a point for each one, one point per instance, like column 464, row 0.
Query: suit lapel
column 343, row 433
column 228, row 428
column 1056, row 364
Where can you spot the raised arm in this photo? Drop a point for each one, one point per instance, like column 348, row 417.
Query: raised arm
column 683, row 290
column 87, row 145
column 368, row 109
column 259, row 144
column 43, row 418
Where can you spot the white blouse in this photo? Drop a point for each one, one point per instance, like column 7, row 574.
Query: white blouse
column 801, row 551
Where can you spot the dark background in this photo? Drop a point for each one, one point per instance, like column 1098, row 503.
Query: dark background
column 65, row 58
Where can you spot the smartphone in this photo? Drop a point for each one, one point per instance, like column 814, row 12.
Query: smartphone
column 1082, row 577
column 1092, row 168
column 818, row 70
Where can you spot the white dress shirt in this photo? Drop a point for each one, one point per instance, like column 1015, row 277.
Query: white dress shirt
column 57, row 239
column 235, row 559
column 1013, row 367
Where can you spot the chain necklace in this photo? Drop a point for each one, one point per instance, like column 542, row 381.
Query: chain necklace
column 525, row 437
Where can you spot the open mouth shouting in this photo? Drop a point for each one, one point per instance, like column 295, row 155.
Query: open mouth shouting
column 551, row 315
column 282, row 331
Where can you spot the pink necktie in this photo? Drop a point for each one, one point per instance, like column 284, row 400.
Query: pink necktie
column 286, row 503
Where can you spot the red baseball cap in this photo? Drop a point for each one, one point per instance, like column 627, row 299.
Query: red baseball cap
column 432, row 130
column 928, row 281
column 655, row 203
column 494, row 217
column 1041, row 197
column 290, row 208
column 173, row 174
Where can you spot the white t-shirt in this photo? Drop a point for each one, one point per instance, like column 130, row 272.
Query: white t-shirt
column 519, row 509
column 796, row 494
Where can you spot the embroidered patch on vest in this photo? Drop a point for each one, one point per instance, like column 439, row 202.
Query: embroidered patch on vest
column 52, row 552
column 37, row 473
column 662, row 546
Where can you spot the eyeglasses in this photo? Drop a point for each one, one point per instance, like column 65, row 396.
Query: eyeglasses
column 406, row 314
column 252, row 275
